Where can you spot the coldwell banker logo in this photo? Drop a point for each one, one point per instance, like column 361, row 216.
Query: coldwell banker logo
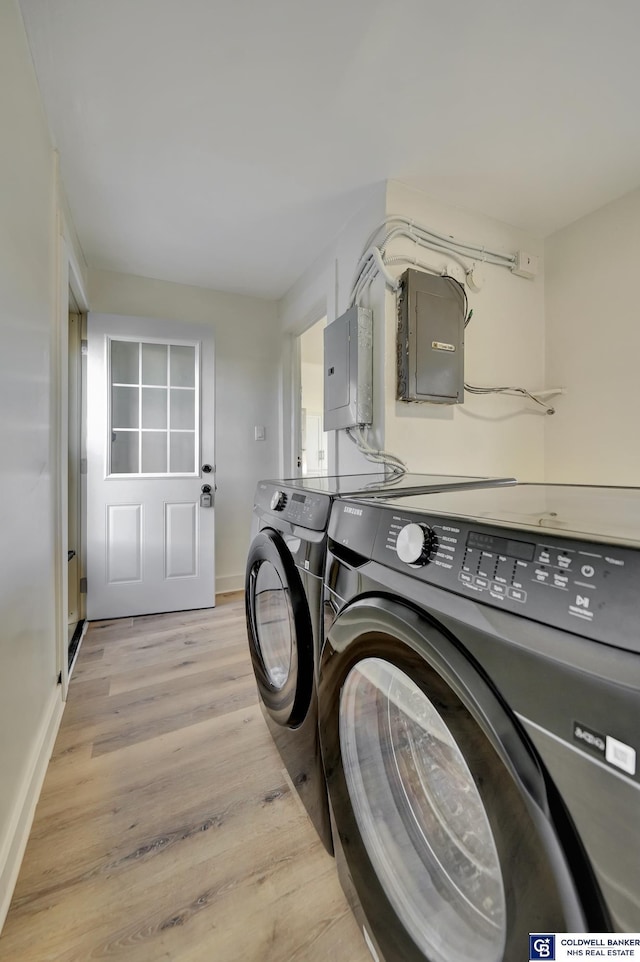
column 542, row 946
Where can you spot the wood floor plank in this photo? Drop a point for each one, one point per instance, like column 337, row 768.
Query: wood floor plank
column 167, row 828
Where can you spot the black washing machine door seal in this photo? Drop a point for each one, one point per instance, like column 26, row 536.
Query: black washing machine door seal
column 288, row 703
column 540, row 888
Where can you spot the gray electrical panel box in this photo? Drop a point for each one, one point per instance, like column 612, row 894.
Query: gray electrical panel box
column 348, row 370
column 430, row 345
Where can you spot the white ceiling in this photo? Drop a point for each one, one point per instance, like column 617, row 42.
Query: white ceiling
column 225, row 144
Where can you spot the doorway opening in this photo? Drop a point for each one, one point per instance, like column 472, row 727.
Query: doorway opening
column 76, row 621
column 313, row 441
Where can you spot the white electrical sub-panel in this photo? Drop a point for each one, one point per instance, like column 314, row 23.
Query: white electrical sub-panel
column 348, row 370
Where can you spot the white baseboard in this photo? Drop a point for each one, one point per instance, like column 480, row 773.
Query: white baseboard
column 13, row 844
column 229, row 583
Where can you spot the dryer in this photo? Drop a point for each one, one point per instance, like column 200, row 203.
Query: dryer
column 479, row 712
column 284, row 583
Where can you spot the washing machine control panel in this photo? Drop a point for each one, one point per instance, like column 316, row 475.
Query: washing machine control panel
column 414, row 543
column 584, row 587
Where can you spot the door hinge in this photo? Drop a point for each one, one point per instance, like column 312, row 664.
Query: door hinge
column 83, row 465
column 84, row 346
column 60, row 678
column 83, row 586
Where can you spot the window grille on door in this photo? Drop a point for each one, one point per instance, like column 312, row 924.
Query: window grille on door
column 153, row 405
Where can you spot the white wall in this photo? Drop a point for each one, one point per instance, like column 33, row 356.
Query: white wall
column 30, row 255
column 504, row 345
column 593, row 346
column 247, row 348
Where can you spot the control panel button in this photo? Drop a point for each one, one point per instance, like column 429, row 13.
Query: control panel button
column 516, row 594
column 414, row 543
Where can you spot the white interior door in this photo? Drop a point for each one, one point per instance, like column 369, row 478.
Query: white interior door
column 315, row 445
column 150, row 439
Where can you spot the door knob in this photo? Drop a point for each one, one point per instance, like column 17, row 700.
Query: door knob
column 207, row 468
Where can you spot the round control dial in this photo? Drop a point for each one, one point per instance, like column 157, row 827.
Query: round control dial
column 278, row 500
column 414, row 543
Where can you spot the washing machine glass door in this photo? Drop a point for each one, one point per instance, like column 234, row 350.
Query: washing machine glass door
column 420, row 816
column 279, row 629
column 274, row 624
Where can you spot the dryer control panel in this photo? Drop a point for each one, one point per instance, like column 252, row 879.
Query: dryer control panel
column 306, row 509
column 585, row 587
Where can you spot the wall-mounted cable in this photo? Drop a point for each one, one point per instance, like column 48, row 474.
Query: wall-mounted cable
column 429, row 237
column 390, row 461
column 375, row 259
column 515, row 392
column 538, row 396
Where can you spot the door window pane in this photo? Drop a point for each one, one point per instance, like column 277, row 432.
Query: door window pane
column 154, row 364
column 154, row 452
column 124, row 362
column 421, row 817
column 124, row 411
column 274, row 624
column 183, row 410
column 161, row 421
column 182, row 452
column 183, row 367
column 154, row 408
column 124, row 452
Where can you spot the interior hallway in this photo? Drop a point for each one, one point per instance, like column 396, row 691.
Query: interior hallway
column 166, row 828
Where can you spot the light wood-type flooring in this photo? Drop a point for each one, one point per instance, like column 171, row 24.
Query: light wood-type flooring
column 166, row 828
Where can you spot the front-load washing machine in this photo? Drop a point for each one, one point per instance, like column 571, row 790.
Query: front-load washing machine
column 284, row 579
column 479, row 711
